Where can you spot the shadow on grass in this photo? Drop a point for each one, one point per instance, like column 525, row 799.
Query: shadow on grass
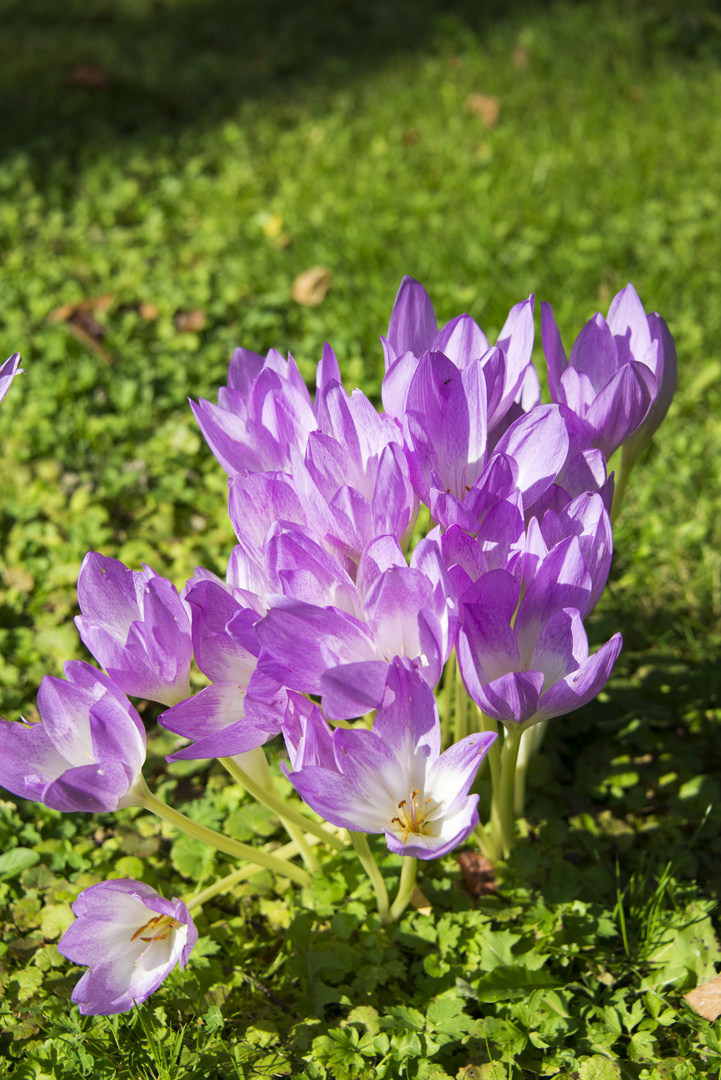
column 89, row 72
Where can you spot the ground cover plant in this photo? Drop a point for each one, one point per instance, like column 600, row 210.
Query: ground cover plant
column 158, row 206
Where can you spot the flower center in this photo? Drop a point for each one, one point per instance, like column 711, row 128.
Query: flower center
column 413, row 814
column 156, row 929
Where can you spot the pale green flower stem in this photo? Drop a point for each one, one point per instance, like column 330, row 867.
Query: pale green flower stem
column 293, row 820
column 363, row 851
column 503, row 796
column 460, row 722
column 491, row 839
column 144, row 797
column 264, row 787
column 628, row 460
column 449, row 682
column 531, row 740
column 228, row 882
column 405, row 887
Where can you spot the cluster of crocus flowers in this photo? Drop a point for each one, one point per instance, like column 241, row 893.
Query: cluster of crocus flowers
column 339, row 617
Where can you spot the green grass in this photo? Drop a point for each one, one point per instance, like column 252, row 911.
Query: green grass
column 232, row 147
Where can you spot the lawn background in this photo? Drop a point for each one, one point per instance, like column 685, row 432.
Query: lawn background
column 186, row 160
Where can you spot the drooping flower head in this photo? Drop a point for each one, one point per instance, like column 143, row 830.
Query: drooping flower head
column 88, row 751
column 131, row 938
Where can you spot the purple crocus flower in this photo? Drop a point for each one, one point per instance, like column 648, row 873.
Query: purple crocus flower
column 131, row 938
column 88, row 751
column 343, row 653
column 8, row 371
column 243, row 707
column 538, row 666
column 262, row 413
column 393, row 779
column 353, row 481
column 136, row 626
column 619, row 368
column 585, row 517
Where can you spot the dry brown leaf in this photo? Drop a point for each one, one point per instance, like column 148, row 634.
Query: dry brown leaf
column 420, row 902
column 89, row 338
column 310, row 287
column 88, row 77
column 149, row 312
column 85, row 321
column 486, row 107
column 98, row 304
column 706, row 998
column 520, row 57
column 188, row 322
column 478, row 873
column 80, row 321
column 19, row 578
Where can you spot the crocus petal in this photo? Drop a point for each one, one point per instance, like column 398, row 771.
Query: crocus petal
column 327, row 372
column 513, row 698
column 8, row 370
column 461, row 340
column 621, row 406
column 594, row 353
column 303, row 641
column 486, row 648
column 582, row 685
column 538, row 443
column 413, row 326
column 336, row 800
column 28, row 759
column 92, row 789
column 628, row 323
column 555, row 354
column 351, row 690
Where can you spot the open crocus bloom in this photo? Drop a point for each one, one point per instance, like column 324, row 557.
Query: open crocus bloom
column 131, row 938
column 394, row 779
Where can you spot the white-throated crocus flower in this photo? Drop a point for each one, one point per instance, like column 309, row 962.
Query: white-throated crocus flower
column 131, row 938
column 394, row 779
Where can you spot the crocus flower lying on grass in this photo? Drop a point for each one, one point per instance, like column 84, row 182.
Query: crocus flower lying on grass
column 131, row 938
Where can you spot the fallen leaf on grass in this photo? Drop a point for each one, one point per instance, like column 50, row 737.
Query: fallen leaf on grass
column 486, row 107
column 706, row 998
column 421, row 902
column 520, row 57
column 88, row 77
column 477, row 873
column 149, row 312
column 97, row 304
column 80, row 321
column 188, row 322
column 310, row 287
